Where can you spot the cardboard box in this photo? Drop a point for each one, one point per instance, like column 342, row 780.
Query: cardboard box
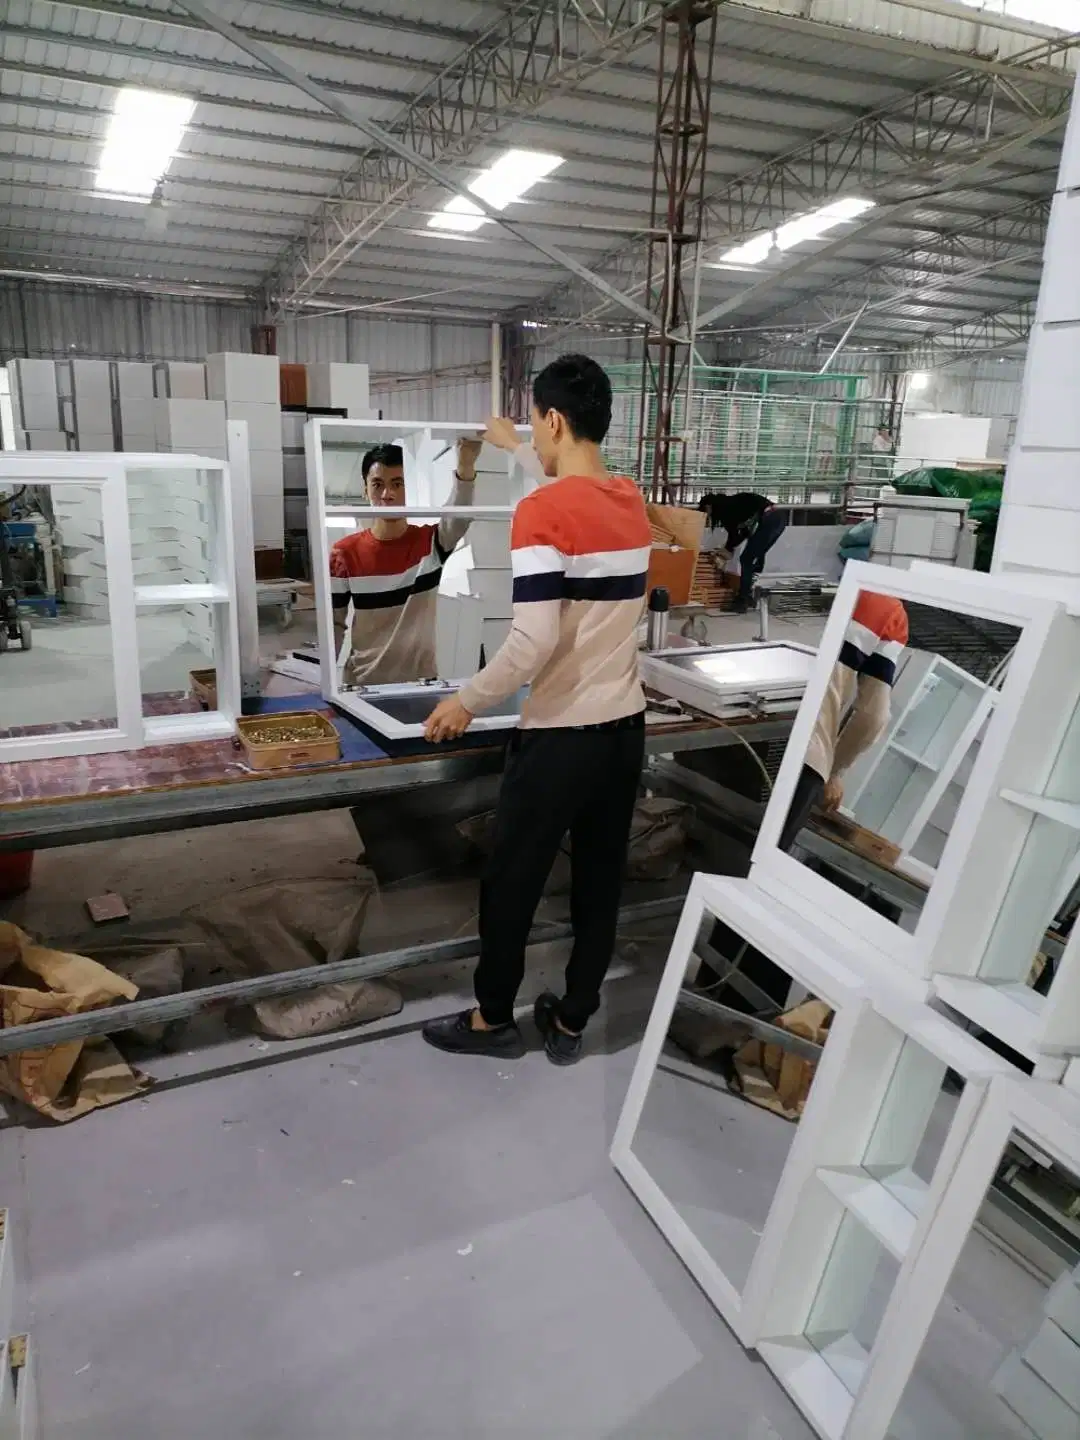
column 267, row 473
column 292, row 430
column 134, row 380
column 294, row 473
column 268, row 517
column 180, row 380
column 42, row 440
column 340, row 386
column 263, row 423
column 244, row 379
column 190, row 427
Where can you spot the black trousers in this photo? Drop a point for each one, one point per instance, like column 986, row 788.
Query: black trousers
column 808, row 793
column 752, row 560
column 583, row 783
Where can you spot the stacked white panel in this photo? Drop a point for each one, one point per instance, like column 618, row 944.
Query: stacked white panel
column 250, row 387
column 90, row 389
column 35, row 405
column 134, row 386
column 340, row 386
column 294, row 470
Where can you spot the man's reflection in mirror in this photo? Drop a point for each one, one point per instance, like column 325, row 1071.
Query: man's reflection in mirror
column 855, row 712
column 389, row 572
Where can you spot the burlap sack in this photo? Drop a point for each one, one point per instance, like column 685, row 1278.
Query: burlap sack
column 36, row 983
column 287, row 926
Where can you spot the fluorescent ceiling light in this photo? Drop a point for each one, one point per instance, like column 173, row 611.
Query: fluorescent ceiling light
column 795, row 232
column 143, row 136
column 510, row 178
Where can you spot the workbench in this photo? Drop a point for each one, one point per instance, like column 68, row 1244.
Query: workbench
column 68, row 801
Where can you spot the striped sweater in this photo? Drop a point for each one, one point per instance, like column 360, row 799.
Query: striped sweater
column 855, row 710
column 393, row 586
column 580, row 553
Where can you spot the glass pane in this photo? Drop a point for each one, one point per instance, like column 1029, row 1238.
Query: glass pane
column 716, row 1126
column 748, row 666
column 54, row 560
column 176, row 657
column 173, row 517
column 850, row 1301
column 1001, row 1359
column 910, row 697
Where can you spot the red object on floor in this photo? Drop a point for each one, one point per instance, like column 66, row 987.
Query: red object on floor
column 16, row 872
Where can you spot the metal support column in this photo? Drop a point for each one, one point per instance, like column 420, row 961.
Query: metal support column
column 517, row 351
column 684, row 85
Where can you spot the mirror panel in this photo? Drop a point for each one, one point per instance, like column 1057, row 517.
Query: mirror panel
column 724, row 1099
column 909, row 701
column 1001, row 1359
column 54, row 553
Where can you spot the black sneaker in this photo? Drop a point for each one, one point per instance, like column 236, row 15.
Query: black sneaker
column 561, row 1049
column 456, row 1034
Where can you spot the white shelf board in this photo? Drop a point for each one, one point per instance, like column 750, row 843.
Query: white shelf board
column 1062, row 812
column 877, row 1205
column 146, row 595
column 1011, row 1012
column 810, row 1381
column 200, row 725
column 919, row 760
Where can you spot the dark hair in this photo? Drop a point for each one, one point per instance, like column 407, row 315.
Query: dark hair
column 390, row 455
column 580, row 391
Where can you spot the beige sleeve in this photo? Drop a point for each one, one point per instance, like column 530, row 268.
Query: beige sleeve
column 867, row 722
column 452, row 530
column 530, row 462
column 533, row 636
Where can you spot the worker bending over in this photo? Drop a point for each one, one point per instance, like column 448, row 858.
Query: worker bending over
column 580, row 550
column 855, row 711
column 390, row 574
column 749, row 518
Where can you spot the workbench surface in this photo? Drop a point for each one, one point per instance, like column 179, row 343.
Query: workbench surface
column 73, row 799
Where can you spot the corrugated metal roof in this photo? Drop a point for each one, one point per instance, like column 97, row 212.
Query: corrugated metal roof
column 260, row 156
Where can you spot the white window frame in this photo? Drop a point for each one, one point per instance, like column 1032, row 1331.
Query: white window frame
column 352, row 701
column 1046, row 1115
column 1027, row 723
column 658, row 673
column 108, row 474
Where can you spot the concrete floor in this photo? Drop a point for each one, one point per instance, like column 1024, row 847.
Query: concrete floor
column 360, row 1236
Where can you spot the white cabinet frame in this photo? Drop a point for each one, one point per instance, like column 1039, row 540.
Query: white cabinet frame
column 854, row 1165
column 107, row 473
column 1046, row 1115
column 1028, row 721
column 752, row 915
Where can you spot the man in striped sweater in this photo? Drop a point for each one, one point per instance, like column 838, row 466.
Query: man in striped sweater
column 855, row 711
column 580, row 551
column 390, row 575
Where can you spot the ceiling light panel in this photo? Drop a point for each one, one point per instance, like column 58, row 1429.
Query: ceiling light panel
column 504, row 183
column 144, row 134
column 795, row 232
